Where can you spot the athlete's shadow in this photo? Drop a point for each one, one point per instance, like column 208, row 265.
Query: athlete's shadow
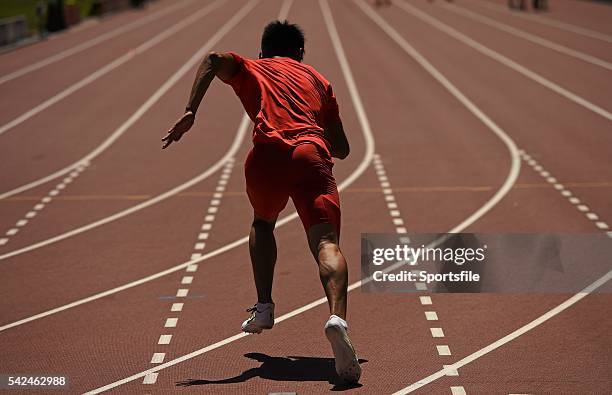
column 289, row 368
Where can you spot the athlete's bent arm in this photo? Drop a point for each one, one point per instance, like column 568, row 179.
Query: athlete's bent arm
column 214, row 64
column 339, row 143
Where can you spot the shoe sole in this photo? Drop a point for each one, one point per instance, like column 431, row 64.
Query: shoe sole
column 348, row 369
column 255, row 328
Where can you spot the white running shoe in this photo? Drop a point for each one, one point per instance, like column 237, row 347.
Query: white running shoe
column 347, row 364
column 262, row 317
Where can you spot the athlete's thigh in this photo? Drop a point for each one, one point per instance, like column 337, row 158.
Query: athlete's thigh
column 266, row 181
column 313, row 190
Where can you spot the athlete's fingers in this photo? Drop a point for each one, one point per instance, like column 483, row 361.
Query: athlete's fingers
column 167, row 144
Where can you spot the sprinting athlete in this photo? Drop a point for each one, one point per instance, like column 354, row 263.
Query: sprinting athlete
column 297, row 132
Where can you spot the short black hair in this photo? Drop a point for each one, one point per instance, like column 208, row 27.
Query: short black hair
column 282, row 39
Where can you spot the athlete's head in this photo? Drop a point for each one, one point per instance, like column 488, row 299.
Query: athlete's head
column 282, row 39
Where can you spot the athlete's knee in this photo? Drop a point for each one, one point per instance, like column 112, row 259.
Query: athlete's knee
column 262, row 224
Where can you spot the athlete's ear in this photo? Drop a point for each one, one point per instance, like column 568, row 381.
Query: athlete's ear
column 302, row 52
column 260, row 56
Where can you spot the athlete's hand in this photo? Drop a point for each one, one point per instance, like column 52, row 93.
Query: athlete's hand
column 180, row 127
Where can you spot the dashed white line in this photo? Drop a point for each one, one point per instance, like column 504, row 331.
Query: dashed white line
column 171, row 322
column 431, row 316
column 40, row 205
column 443, row 350
column 564, row 191
column 458, row 390
column 158, row 357
column 164, row 339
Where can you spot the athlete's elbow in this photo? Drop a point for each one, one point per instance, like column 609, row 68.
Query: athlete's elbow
column 342, row 152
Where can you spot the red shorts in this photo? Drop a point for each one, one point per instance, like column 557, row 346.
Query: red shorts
column 303, row 173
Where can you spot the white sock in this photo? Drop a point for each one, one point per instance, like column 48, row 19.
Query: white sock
column 335, row 318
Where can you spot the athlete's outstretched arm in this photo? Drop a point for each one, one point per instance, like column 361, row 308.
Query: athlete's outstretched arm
column 214, row 64
column 339, row 143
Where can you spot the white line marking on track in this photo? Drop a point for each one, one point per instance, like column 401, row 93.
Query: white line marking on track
column 186, row 280
column 92, row 42
column 425, row 300
column 529, row 37
column 158, row 357
column 458, row 390
column 182, row 292
column 502, row 59
column 443, row 350
column 431, row 316
column 170, row 82
column 451, row 372
column 171, row 322
column 164, row 339
column 38, row 207
column 436, row 332
column 111, row 66
column 150, row 378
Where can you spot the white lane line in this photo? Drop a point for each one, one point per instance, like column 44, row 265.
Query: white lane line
column 458, row 390
column 158, row 357
column 242, row 129
column 158, row 38
column 394, row 212
column 182, row 292
column 508, row 338
column 431, row 316
column 550, row 22
column 171, row 322
column 425, row 300
column 436, row 332
column 528, row 36
column 170, row 82
column 502, row 59
column 164, row 339
column 451, row 372
column 369, row 151
column 92, row 42
column 443, row 350
column 150, row 378
column 21, row 223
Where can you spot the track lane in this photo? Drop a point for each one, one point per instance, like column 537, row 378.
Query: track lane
column 145, row 19
column 90, row 29
column 43, row 90
column 47, row 151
